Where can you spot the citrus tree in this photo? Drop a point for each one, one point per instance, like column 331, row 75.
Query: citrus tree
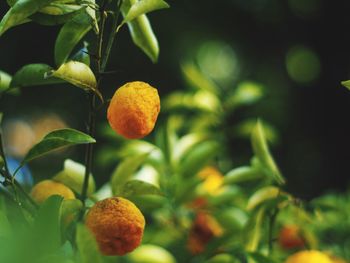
column 174, row 198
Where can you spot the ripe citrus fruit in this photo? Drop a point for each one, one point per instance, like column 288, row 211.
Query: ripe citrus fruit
column 204, row 229
column 309, row 256
column 43, row 190
column 117, row 225
column 291, row 237
column 134, row 109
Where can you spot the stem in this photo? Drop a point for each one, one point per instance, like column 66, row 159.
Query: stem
column 272, row 221
column 100, row 66
column 111, row 37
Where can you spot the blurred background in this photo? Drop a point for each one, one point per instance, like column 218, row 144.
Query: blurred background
column 296, row 50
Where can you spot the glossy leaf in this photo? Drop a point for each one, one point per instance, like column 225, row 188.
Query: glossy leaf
column 143, row 7
column 5, row 80
column 242, row 174
column 185, row 143
column 73, row 175
column 20, row 11
column 198, row 157
column 253, row 230
column 346, row 84
column 246, row 93
column 57, row 9
column 33, row 75
column 141, row 32
column 147, row 203
column 262, row 152
column 125, row 170
column 55, row 140
column 262, row 195
column 87, row 246
column 77, row 74
column 138, row 187
column 47, row 224
column 52, row 20
column 70, row 35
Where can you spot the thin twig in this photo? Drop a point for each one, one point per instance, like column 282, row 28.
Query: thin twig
column 111, row 37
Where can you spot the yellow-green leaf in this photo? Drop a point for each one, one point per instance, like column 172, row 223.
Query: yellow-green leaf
column 78, row 74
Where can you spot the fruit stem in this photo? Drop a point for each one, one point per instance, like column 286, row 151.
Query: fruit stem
column 100, row 66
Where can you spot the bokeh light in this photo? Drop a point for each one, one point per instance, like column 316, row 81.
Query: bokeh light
column 218, row 60
column 303, row 64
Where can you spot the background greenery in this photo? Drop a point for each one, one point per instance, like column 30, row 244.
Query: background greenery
column 309, row 115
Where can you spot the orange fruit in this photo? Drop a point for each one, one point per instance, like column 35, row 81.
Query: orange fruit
column 309, row 256
column 117, row 225
column 43, row 190
column 203, row 230
column 290, row 237
column 134, row 109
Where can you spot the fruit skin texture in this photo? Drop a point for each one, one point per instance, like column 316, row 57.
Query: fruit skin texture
column 309, row 256
column 43, row 190
column 134, row 109
column 117, row 225
column 290, row 237
column 204, row 229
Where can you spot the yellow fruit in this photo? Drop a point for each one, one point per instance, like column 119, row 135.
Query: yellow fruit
column 309, row 256
column 117, row 225
column 212, row 180
column 43, row 190
column 151, row 254
column 204, row 229
column 134, row 109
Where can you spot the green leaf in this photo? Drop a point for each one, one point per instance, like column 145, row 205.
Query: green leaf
column 262, row 152
column 253, row 228
column 5, row 80
column 5, row 227
column 87, row 246
column 138, row 187
column 246, row 93
column 197, row 79
column 147, row 203
column 49, row 20
column 143, row 7
column 346, row 84
column 125, row 170
column 73, row 175
column 47, row 225
column 242, row 174
column 262, row 195
column 78, row 74
column 57, row 9
column 222, row 258
column 70, row 35
column 198, row 157
column 260, row 258
column 20, row 11
column 70, row 208
column 185, row 143
column 141, row 32
column 55, row 140
column 32, row 75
